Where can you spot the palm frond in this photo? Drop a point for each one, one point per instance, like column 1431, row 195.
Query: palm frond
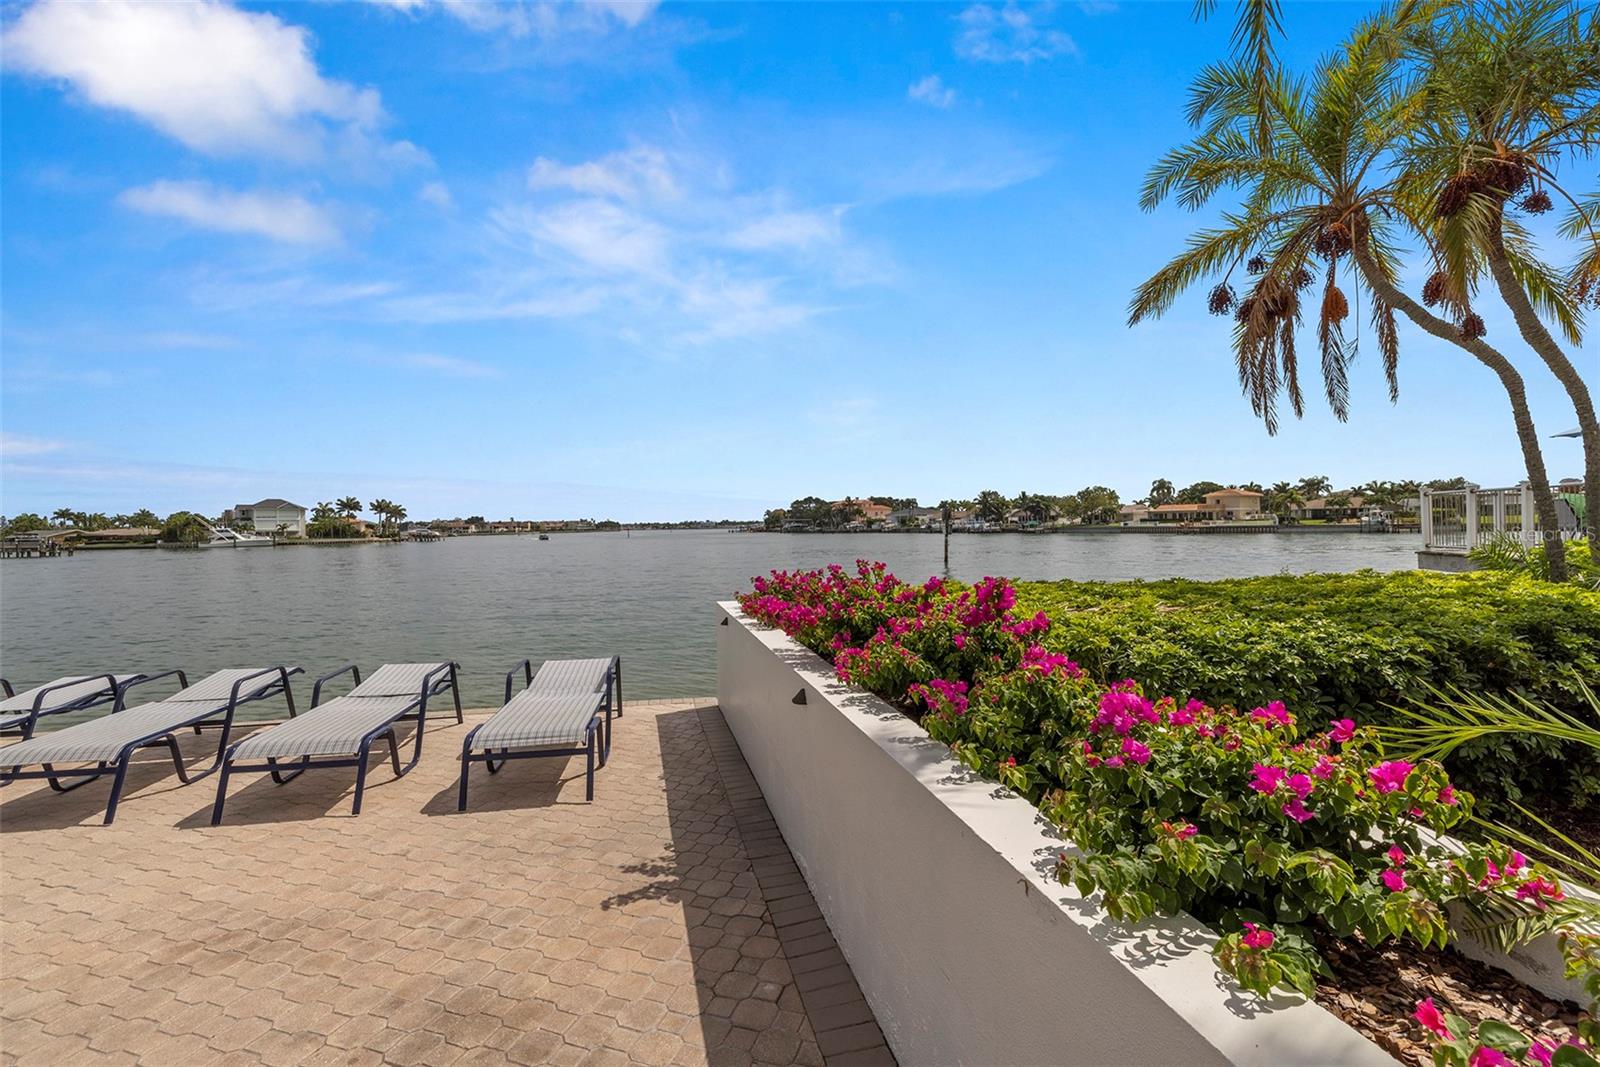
column 1454, row 717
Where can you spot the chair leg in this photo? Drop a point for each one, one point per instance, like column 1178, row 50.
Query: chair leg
column 394, row 753
column 171, row 741
column 281, row 778
column 116, row 786
column 361, row 778
column 588, row 785
column 222, row 791
column 59, row 788
column 461, row 796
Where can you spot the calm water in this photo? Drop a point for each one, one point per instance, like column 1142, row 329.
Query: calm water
column 488, row 601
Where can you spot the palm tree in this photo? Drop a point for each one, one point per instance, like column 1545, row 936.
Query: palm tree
column 1310, row 207
column 1286, row 499
column 1512, row 90
column 349, row 505
column 62, row 516
column 1316, row 485
column 144, row 517
column 398, row 514
column 992, row 506
column 1161, row 492
column 380, row 508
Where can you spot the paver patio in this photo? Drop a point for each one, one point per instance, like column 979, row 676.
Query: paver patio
column 665, row 923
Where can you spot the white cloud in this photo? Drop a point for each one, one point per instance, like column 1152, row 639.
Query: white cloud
column 437, row 194
column 221, row 80
column 636, row 174
column 280, row 216
column 789, row 229
column 1010, row 34
column 931, row 90
column 535, row 18
column 15, row 444
column 1097, row 7
column 450, row 366
column 602, row 235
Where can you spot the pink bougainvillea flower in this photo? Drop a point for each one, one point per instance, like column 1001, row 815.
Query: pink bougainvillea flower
column 1491, row 877
column 1267, row 778
column 1135, row 752
column 1274, row 712
column 1541, row 1052
column 1256, row 937
column 1484, row 1056
column 961, row 641
column 1447, row 796
column 1114, row 761
column 1296, row 810
column 1300, row 784
column 1011, row 761
column 1324, row 768
column 1390, row 776
column 1187, row 831
column 1429, row 1015
column 1343, row 730
column 1397, row 855
column 1539, row 891
column 1515, row 863
column 1395, row 880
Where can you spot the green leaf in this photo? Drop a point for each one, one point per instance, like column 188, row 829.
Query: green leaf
column 1572, row 1056
column 1507, row 1039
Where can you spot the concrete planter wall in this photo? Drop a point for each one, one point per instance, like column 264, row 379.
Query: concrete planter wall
column 939, row 888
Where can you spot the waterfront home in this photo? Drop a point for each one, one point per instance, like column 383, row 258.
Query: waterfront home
column 865, row 510
column 1344, row 507
column 1128, row 514
column 912, row 518
column 267, row 515
column 1223, row 505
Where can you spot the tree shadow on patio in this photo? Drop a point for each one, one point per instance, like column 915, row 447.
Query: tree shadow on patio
column 747, row 1002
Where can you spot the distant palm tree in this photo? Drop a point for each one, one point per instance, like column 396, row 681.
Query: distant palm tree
column 349, row 505
column 1316, row 485
column 380, row 507
column 144, row 517
column 398, row 514
column 992, row 506
column 1161, row 492
column 63, row 516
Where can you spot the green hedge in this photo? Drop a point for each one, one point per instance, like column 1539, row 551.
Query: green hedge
column 1353, row 644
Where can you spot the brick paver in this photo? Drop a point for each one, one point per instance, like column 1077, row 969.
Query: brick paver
column 663, row 924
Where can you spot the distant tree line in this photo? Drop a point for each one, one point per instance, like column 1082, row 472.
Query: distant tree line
column 1097, row 504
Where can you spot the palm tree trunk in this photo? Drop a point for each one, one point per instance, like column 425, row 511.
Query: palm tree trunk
column 1544, row 500
column 1539, row 339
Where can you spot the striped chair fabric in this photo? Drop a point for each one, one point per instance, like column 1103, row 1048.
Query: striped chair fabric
column 334, row 728
column 103, row 738
column 534, row 719
column 570, row 676
column 396, row 680
column 87, row 686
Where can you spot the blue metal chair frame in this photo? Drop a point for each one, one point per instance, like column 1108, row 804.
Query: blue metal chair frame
column 604, row 704
column 39, row 711
column 168, row 737
column 431, row 686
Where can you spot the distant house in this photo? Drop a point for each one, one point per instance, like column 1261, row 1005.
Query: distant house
column 866, row 510
column 1129, row 513
column 1318, row 508
column 1224, row 505
column 912, row 518
column 267, row 515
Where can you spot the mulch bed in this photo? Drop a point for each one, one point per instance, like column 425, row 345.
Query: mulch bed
column 1375, row 990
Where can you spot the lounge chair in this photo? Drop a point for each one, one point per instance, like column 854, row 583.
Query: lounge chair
column 558, row 713
column 341, row 732
column 20, row 712
column 110, row 741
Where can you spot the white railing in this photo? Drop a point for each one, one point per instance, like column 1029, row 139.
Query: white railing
column 1459, row 520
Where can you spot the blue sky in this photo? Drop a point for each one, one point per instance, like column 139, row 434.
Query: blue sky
column 638, row 262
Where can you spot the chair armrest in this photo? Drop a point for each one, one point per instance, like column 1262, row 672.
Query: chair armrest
column 282, row 672
column 122, row 693
column 527, row 670
column 316, row 688
column 10, row 692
